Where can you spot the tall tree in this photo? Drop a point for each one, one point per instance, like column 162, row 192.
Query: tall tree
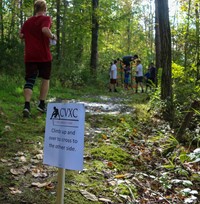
column 151, row 23
column 187, row 34
column 165, row 42
column 13, row 20
column 157, row 41
column 58, row 28
column 1, row 21
column 128, row 10
column 94, row 42
column 149, row 30
column 197, row 41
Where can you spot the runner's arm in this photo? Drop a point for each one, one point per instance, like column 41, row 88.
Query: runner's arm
column 47, row 32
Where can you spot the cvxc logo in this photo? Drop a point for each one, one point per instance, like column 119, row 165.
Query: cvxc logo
column 64, row 113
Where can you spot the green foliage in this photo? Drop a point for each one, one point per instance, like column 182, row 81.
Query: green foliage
column 126, row 189
column 115, row 153
column 195, row 156
column 164, row 179
column 12, row 57
column 184, row 157
column 73, row 76
column 170, row 144
column 177, row 71
column 156, row 104
column 105, row 152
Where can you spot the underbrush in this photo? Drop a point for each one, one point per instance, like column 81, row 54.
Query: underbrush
column 131, row 157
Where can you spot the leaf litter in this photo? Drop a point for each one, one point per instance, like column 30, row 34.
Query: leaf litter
column 141, row 179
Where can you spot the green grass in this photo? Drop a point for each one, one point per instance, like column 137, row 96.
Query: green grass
column 27, row 135
column 115, row 146
column 111, row 153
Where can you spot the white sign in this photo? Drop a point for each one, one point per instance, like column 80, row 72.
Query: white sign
column 64, row 136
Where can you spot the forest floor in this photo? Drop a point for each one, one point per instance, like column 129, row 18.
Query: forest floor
column 130, row 155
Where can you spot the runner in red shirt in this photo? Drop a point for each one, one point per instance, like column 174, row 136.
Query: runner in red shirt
column 37, row 34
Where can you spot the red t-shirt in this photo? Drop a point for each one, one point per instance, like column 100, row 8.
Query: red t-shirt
column 36, row 43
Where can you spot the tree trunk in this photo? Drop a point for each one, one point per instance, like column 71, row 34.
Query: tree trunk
column 63, row 53
column 1, row 21
column 151, row 20
column 165, row 40
column 21, row 13
column 186, row 36
column 129, row 35
column 157, row 41
column 79, row 39
column 197, row 41
column 58, row 29
column 175, row 24
column 180, row 134
column 94, row 42
column 13, row 21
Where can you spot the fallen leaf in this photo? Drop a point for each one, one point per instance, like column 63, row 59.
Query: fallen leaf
column 20, row 171
column 105, row 200
column 129, row 175
column 35, row 161
column 120, row 176
column 39, row 156
column 40, row 185
column 88, row 195
column 104, row 137
column 39, row 174
column 22, row 159
column 113, row 183
column 4, row 160
column 110, row 164
column 134, row 130
column 15, row 190
column 18, row 141
column 20, row 154
column 50, row 186
column 7, row 128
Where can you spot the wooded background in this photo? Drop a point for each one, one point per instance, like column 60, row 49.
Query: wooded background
column 92, row 33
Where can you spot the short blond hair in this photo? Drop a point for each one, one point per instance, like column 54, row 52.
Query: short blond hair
column 40, row 5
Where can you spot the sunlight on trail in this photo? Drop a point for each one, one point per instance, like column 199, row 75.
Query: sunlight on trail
column 100, row 108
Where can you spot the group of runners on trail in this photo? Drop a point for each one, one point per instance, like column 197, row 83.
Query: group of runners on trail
column 37, row 35
column 129, row 73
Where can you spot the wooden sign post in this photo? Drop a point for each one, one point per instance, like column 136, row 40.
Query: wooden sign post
column 61, row 186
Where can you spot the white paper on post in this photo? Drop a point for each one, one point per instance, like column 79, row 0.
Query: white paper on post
column 64, row 135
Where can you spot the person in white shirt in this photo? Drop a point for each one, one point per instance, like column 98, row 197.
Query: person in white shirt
column 113, row 76
column 139, row 75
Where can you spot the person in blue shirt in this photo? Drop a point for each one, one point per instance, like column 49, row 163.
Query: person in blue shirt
column 152, row 71
column 147, row 80
column 127, row 71
column 150, row 77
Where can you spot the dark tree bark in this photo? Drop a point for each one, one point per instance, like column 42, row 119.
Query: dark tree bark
column 79, row 47
column 58, row 29
column 21, row 13
column 63, row 54
column 1, row 21
column 94, row 42
column 188, row 117
column 186, row 36
column 129, row 35
column 197, row 41
column 151, row 27
column 165, row 42
column 13, row 21
column 157, row 41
